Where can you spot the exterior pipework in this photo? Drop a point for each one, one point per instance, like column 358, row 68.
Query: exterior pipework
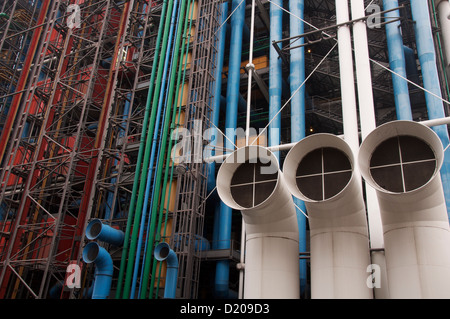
column 275, row 74
column 427, row 59
column 156, row 133
column 413, row 209
column 142, row 149
column 337, row 215
column 237, row 24
column 93, row 253
column 158, row 178
column 164, row 253
column 272, row 263
column 297, row 77
column 96, row 230
column 397, row 61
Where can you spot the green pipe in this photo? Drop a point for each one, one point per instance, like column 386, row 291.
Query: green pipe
column 4, row 15
column 123, row 262
column 175, row 119
column 150, row 239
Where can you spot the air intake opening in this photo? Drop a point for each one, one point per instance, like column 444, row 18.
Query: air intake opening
column 253, row 183
column 402, row 163
column 323, row 173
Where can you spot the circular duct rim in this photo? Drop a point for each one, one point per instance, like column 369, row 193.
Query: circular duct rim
column 249, row 154
column 94, row 229
column 307, row 146
column 90, row 252
column 398, row 129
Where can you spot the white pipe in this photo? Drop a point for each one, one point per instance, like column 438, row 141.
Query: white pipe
column 401, row 160
column 272, row 263
column 337, row 218
column 349, row 113
column 444, row 19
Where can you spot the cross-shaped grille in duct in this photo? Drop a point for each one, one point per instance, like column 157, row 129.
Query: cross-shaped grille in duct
column 253, row 183
column 402, row 163
column 323, row 173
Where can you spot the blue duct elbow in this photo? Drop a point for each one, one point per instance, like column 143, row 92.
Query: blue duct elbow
column 97, row 230
column 164, row 253
column 397, row 62
column 93, row 253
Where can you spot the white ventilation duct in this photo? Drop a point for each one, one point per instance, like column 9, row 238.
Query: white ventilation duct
column 401, row 160
column 319, row 171
column 249, row 180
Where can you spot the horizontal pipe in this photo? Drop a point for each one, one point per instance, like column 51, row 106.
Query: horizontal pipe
column 97, row 230
column 93, row 253
column 288, row 146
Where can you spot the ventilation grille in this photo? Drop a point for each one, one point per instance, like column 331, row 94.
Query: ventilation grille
column 323, row 173
column 402, row 163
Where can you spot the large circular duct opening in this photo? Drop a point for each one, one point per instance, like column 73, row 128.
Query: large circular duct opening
column 323, row 173
column 252, row 183
column 90, row 252
column 94, row 228
column 402, row 163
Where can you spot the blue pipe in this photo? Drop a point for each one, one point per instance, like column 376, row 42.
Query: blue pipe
column 411, row 65
column 428, row 63
column 148, row 187
column 237, row 24
column 97, row 230
column 275, row 74
column 164, row 253
column 397, row 62
column 93, row 253
column 297, row 77
column 217, row 93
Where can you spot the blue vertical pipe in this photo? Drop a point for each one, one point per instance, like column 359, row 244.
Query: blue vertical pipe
column 275, row 74
column 397, row 62
column 297, row 77
column 237, row 24
column 428, row 63
column 148, row 186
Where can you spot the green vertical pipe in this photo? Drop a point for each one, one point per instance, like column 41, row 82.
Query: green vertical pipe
column 157, row 186
column 175, row 119
column 140, row 156
column 154, row 88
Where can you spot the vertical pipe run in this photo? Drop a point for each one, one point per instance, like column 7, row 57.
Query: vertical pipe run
column 297, row 77
column 427, row 58
column 397, row 61
column 147, row 117
column 275, row 73
column 349, row 113
column 93, row 253
column 237, row 24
